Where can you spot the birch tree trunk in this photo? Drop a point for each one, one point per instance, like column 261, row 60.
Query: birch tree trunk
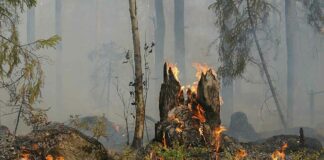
column 291, row 38
column 139, row 99
column 179, row 39
column 159, row 39
column 58, row 30
column 265, row 67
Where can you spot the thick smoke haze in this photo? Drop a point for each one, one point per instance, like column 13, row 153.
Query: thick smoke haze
column 96, row 34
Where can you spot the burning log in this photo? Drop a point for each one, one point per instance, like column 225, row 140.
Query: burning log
column 59, row 142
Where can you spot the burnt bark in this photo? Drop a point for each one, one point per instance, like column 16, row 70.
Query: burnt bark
column 170, row 89
column 208, row 97
column 139, row 98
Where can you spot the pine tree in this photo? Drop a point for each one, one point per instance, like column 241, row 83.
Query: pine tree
column 21, row 72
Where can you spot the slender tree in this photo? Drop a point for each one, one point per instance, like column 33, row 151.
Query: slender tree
column 179, row 37
column 139, row 98
column 59, row 80
column 159, row 39
column 31, row 25
column 20, row 65
column 315, row 19
column 292, row 51
column 248, row 17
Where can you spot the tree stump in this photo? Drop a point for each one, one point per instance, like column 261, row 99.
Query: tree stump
column 188, row 121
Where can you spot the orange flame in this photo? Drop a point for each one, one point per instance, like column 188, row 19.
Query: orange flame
column 218, row 137
column 201, row 131
column 49, row 157
column 199, row 114
column 164, row 140
column 202, row 68
column 240, row 154
column 280, row 154
column 25, row 156
column 178, row 130
column 175, row 70
column 59, row 158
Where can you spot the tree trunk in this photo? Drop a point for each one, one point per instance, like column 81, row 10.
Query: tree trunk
column 179, row 39
column 59, row 80
column 139, row 99
column 159, row 40
column 31, row 25
column 265, row 68
column 291, row 38
column 228, row 97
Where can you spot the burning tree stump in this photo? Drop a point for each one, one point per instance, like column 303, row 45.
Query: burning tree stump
column 188, row 120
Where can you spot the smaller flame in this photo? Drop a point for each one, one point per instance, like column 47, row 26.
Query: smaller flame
column 194, row 87
column 175, row 70
column 25, row 156
column 200, row 68
column 201, row 131
column 221, row 100
column 59, row 158
column 164, row 140
column 49, row 157
column 178, row 130
column 240, row 154
column 280, row 154
column 218, row 137
column 199, row 114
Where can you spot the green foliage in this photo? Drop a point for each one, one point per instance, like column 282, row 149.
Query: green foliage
column 76, row 123
column 236, row 32
column 180, row 152
column 128, row 153
column 306, row 155
column 21, row 73
column 315, row 14
column 98, row 129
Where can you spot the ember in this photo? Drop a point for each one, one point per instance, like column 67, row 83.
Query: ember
column 280, row 154
column 49, row 157
column 240, row 154
column 25, row 156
